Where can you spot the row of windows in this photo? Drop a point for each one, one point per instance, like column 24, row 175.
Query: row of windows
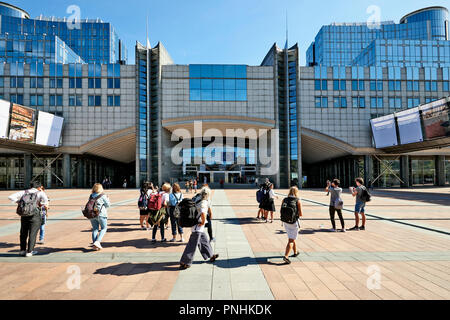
column 75, row 100
column 56, row 70
column 377, row 85
column 375, row 102
column 93, row 83
column 217, row 71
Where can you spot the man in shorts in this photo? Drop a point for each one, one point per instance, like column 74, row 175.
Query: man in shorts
column 359, row 205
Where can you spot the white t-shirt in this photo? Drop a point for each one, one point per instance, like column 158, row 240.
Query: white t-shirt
column 202, row 207
column 165, row 198
column 271, row 194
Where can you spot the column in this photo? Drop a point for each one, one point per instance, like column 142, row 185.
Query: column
column 440, row 171
column 404, row 171
column 80, row 173
column 28, row 170
column 368, row 168
column 66, row 171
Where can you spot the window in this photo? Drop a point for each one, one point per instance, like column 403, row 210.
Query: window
column 114, row 101
column 56, row 100
column 376, row 102
column 413, row 102
column 217, row 83
column 36, row 100
column 321, row 102
column 94, row 101
column 358, row 102
column 340, row 102
column 16, row 98
column 395, row 103
column 412, row 85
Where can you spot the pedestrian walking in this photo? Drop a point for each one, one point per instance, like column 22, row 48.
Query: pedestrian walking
column 29, row 207
column 291, row 211
column 198, row 236
column 362, row 196
column 174, row 200
column 336, row 203
column 100, row 204
column 44, row 216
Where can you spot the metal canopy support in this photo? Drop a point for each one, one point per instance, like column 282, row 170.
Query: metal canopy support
column 47, row 167
column 387, row 168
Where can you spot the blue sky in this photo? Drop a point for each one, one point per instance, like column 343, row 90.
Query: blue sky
column 223, row 31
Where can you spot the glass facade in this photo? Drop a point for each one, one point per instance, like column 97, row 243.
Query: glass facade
column 94, row 42
column 358, row 43
column 218, row 82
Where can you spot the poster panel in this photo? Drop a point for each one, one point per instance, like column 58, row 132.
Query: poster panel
column 23, row 124
column 409, row 126
column 384, row 132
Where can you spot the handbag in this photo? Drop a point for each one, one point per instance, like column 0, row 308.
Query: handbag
column 339, row 204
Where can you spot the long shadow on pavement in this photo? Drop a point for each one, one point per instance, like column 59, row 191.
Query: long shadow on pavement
column 128, row 269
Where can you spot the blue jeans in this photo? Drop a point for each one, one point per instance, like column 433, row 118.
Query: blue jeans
column 359, row 207
column 101, row 222
column 174, row 223
column 42, row 229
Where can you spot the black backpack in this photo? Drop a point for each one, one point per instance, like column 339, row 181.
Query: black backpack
column 289, row 210
column 188, row 213
column 365, row 195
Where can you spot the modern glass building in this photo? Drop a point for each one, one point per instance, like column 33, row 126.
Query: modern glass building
column 94, row 41
column 362, row 72
column 313, row 122
column 81, row 75
column 342, row 43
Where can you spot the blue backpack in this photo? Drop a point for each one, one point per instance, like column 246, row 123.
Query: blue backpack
column 173, row 200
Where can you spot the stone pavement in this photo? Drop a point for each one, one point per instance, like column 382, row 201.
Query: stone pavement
column 404, row 254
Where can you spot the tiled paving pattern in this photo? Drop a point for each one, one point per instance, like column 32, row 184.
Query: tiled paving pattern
column 407, row 241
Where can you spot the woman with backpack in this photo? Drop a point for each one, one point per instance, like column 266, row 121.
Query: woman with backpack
column 198, row 236
column 174, row 199
column 145, row 192
column 159, row 216
column 101, row 221
column 290, row 221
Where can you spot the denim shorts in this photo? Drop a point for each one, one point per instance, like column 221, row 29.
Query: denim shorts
column 359, row 207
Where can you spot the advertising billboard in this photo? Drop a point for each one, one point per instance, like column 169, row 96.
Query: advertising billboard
column 384, row 132
column 5, row 107
column 409, row 126
column 436, row 119
column 49, row 129
column 23, row 124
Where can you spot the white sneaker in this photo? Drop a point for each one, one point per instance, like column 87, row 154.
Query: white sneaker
column 22, row 253
column 30, row 254
column 333, row 230
column 97, row 245
column 173, row 240
column 343, row 230
column 182, row 239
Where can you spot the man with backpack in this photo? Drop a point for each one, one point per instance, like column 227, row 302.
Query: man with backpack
column 29, row 205
column 194, row 214
column 362, row 197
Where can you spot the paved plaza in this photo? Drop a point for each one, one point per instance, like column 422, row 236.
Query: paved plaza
column 403, row 254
